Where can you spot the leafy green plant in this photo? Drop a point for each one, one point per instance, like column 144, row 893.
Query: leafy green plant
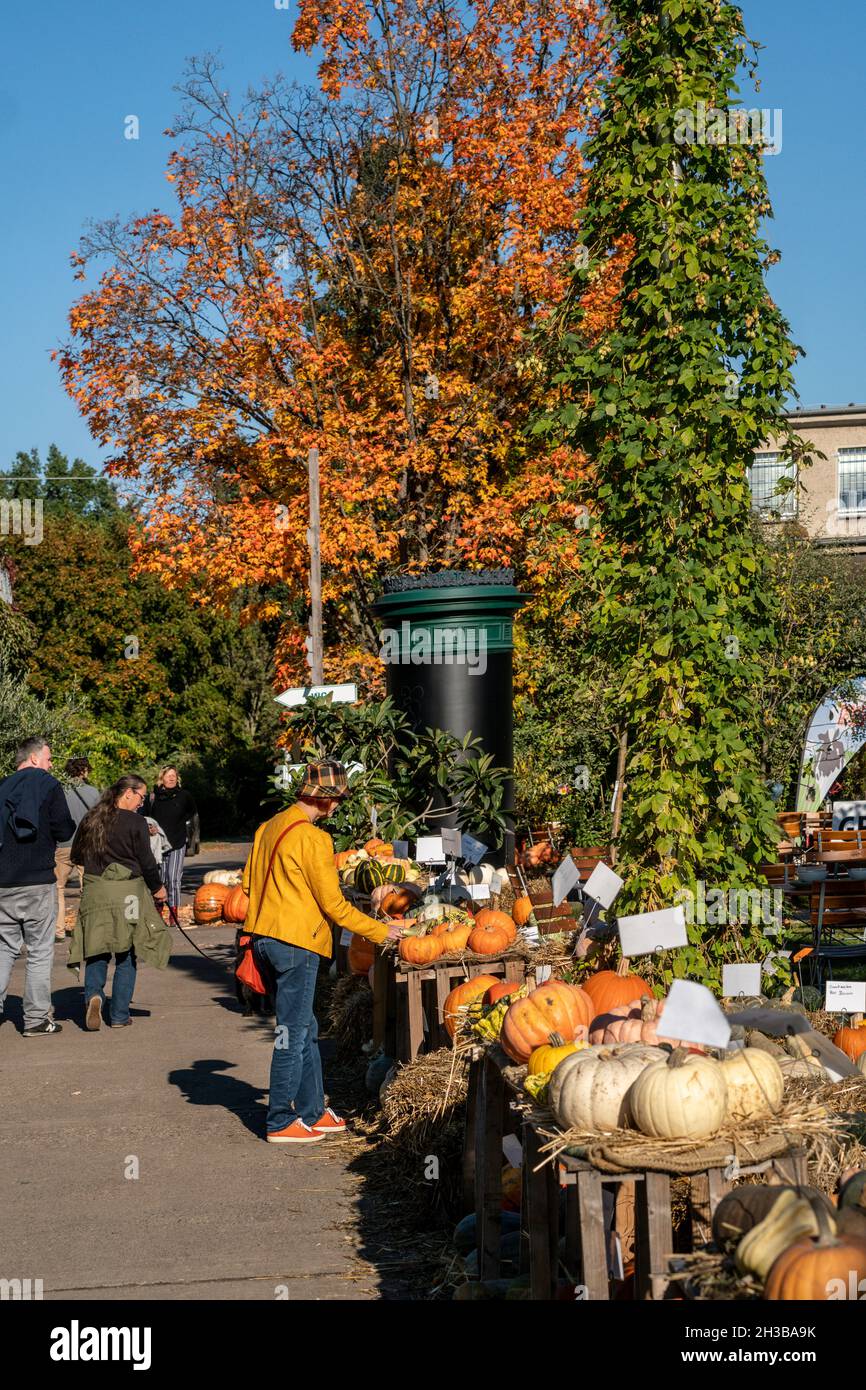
column 407, row 783
column 670, row 403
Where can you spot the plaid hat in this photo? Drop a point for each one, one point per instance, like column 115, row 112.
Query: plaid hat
column 325, row 781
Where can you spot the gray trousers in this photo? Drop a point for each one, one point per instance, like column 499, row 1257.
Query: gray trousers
column 27, row 917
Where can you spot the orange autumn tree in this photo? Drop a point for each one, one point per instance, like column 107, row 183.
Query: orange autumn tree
column 361, row 269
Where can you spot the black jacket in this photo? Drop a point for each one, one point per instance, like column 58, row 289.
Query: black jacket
column 34, row 819
column 171, row 810
column 128, row 843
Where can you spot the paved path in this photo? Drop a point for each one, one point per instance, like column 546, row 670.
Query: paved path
column 214, row 1212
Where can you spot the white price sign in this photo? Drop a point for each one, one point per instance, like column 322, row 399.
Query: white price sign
column 648, row 932
column 845, row 997
column 429, row 850
column 566, row 877
column 740, row 979
column 451, row 842
column 603, row 885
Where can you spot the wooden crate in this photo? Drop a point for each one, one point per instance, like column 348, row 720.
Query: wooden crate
column 408, row 999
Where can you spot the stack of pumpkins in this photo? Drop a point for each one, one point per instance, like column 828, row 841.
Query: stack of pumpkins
column 452, row 930
column 369, row 868
column 220, row 898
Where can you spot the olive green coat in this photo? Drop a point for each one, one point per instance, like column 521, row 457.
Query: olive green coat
column 116, row 912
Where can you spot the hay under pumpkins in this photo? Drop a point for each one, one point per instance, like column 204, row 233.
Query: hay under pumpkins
column 423, row 1117
column 349, row 1015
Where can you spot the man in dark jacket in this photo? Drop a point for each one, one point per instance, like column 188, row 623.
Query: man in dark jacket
column 34, row 817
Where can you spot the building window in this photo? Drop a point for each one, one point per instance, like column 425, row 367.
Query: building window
column 852, row 481
column 5, row 584
column 765, row 475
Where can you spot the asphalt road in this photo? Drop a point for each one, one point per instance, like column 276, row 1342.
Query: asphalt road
column 132, row 1163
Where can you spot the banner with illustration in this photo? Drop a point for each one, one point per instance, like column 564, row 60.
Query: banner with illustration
column 836, row 733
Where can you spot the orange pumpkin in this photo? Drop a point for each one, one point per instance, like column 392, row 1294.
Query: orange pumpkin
column 396, row 901
column 455, row 939
column 379, row 847
column 554, row 1007
column 361, row 954
column 420, row 950
column 852, row 1039
column 828, row 1267
column 608, row 989
column 489, row 941
column 492, row 917
column 236, row 906
column 521, row 911
column 343, row 858
column 207, row 905
column 461, row 995
column 501, row 989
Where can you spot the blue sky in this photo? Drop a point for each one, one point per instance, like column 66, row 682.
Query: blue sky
column 71, row 73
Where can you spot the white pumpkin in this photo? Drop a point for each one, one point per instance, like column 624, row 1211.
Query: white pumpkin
column 229, row 878
column 587, row 1090
column 754, row 1083
column 477, row 873
column 683, row 1097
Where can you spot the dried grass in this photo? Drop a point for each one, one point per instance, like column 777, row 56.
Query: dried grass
column 423, row 1118
column 350, row 1015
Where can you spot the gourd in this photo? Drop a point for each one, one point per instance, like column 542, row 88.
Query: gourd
column 805, row 1068
column 788, row 1220
column 463, row 995
column 477, row 873
column 372, row 872
column 236, row 905
column 608, row 989
column 229, row 878
column 554, row 1007
column 828, row 1267
column 544, row 1059
column 744, row 1208
column 503, row 989
column 361, row 954
column 588, row 1091
column 852, row 1039
column 754, row 1082
column 683, row 1097
column 631, row 1023
column 207, row 905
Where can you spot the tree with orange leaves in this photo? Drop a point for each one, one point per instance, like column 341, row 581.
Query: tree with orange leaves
column 363, row 270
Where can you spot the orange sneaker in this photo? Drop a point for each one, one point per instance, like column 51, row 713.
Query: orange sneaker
column 295, row 1133
column 330, row 1123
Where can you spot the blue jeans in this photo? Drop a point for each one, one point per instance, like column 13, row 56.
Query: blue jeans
column 96, row 974
column 297, row 1090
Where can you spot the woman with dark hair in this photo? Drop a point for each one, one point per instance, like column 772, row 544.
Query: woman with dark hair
column 81, row 797
column 172, row 807
column 117, row 915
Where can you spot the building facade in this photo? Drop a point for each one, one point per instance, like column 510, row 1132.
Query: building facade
column 827, row 498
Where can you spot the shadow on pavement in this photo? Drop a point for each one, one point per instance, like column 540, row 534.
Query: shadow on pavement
column 204, row 1083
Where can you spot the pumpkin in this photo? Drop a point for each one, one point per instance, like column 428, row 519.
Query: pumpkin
column 588, row 1091
column 683, row 1097
column 631, row 1023
column 831, row 1267
column 534, row 856
column 229, row 878
column 501, row 990
column 852, row 1039
column 395, row 902
column 754, row 1083
column 521, row 911
column 491, row 917
column 372, row 872
column 543, row 1059
column 805, row 1068
column 512, row 1188
column 348, row 858
column 420, row 950
column 454, row 938
column 741, row 1210
column 489, row 941
column 554, row 1007
column 463, row 995
column 788, row 1220
column 236, row 906
column 207, row 905
column 361, row 954
column 608, row 989
column 376, row 846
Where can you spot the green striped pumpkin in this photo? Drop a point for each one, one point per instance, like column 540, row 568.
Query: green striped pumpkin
column 373, row 872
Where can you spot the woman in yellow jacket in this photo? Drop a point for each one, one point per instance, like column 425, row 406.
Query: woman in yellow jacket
column 294, row 895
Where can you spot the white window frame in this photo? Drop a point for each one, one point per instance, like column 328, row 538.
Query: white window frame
column 788, row 502
column 842, row 455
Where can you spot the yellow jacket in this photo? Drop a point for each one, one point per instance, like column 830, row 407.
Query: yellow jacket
column 303, row 890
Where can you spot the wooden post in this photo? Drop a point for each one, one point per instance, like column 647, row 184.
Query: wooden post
column 620, row 790
column 314, row 540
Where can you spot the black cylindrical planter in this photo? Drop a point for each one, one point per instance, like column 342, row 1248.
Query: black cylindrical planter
column 446, row 640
